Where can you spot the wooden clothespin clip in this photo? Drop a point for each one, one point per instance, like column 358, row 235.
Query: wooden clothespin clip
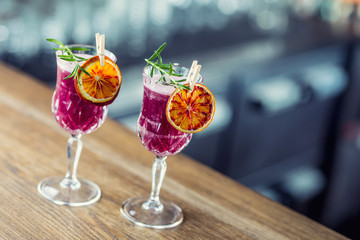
column 100, row 47
column 193, row 74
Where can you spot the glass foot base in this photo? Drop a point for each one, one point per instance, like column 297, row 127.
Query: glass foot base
column 87, row 194
column 170, row 216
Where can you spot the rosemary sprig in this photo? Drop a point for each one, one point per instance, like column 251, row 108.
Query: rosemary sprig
column 70, row 57
column 156, row 62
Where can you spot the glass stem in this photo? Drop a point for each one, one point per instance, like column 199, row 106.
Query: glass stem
column 158, row 174
column 73, row 154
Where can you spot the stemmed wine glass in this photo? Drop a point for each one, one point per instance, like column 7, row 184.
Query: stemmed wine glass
column 77, row 117
column 161, row 138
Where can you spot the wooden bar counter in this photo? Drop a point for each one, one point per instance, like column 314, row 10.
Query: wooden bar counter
column 33, row 147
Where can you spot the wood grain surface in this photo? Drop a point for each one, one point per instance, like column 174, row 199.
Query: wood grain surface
column 33, row 147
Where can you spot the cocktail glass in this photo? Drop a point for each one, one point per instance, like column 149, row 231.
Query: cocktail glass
column 162, row 139
column 77, row 117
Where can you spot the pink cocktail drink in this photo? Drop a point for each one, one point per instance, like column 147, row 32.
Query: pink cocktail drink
column 154, row 130
column 71, row 112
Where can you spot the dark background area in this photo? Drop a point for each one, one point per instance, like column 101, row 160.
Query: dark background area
column 285, row 74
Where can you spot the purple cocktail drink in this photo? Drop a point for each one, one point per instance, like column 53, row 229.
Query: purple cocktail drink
column 161, row 138
column 154, row 130
column 77, row 117
column 71, row 112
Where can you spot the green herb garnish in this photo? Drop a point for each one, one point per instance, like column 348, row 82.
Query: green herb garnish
column 70, row 57
column 155, row 61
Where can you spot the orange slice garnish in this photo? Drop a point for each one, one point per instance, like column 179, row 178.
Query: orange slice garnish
column 102, row 87
column 191, row 111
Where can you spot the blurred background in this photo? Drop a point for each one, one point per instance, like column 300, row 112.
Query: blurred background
column 285, row 74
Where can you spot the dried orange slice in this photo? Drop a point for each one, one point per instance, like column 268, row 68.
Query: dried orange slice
column 191, row 111
column 102, row 87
